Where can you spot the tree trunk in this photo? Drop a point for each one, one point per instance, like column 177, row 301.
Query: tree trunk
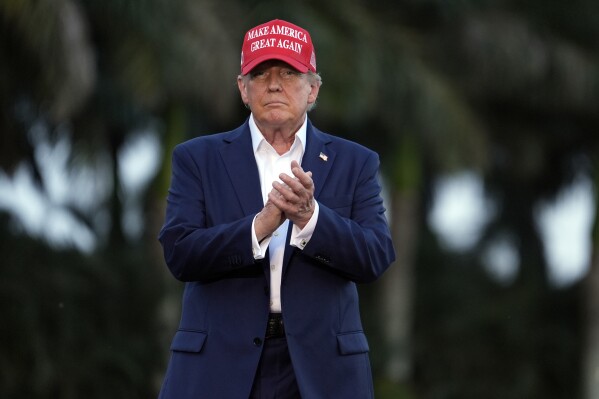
column 397, row 286
column 397, row 283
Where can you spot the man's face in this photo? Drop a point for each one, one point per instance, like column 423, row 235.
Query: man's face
column 277, row 94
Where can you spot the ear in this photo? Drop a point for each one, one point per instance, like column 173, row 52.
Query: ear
column 314, row 89
column 242, row 89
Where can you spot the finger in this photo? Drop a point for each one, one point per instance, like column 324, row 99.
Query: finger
column 276, row 199
column 286, row 193
column 281, row 203
column 304, row 177
column 293, row 183
column 295, row 191
column 301, row 182
column 296, row 169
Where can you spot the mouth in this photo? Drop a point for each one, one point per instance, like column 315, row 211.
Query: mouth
column 274, row 104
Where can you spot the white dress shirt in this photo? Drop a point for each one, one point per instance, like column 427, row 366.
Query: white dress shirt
column 270, row 166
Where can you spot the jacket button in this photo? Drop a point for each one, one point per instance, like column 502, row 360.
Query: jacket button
column 257, row 341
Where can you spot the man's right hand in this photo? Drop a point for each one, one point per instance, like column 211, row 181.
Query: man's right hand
column 268, row 220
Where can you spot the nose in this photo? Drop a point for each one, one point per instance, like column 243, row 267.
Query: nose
column 274, row 81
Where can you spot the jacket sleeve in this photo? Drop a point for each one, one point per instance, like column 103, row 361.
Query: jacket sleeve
column 195, row 250
column 358, row 247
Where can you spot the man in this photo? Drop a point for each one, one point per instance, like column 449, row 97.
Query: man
column 270, row 250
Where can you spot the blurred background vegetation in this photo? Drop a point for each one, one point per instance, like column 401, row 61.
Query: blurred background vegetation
column 95, row 94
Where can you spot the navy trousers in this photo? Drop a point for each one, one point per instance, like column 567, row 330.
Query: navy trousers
column 275, row 378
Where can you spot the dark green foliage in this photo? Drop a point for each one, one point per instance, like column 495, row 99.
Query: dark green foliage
column 476, row 338
column 75, row 326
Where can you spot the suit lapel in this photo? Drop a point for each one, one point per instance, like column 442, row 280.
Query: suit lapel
column 318, row 159
column 240, row 164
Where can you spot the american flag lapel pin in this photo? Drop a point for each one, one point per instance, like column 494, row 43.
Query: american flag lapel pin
column 323, row 156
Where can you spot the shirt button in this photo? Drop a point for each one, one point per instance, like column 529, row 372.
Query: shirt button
column 257, row 341
column 272, row 267
column 276, row 234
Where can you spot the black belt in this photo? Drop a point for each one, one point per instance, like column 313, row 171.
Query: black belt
column 275, row 328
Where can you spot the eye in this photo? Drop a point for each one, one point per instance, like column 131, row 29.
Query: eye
column 288, row 73
column 258, row 74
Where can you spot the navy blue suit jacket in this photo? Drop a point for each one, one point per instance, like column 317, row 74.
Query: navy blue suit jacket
column 213, row 198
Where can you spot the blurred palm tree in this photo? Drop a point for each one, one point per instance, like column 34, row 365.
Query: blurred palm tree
column 106, row 69
column 96, row 73
column 531, row 77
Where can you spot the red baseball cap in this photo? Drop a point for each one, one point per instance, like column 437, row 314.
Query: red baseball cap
column 278, row 40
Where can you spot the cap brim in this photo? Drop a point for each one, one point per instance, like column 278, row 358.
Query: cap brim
column 258, row 60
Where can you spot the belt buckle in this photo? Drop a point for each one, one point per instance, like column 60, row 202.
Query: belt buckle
column 275, row 328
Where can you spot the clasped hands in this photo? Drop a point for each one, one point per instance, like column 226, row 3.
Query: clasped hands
column 292, row 199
